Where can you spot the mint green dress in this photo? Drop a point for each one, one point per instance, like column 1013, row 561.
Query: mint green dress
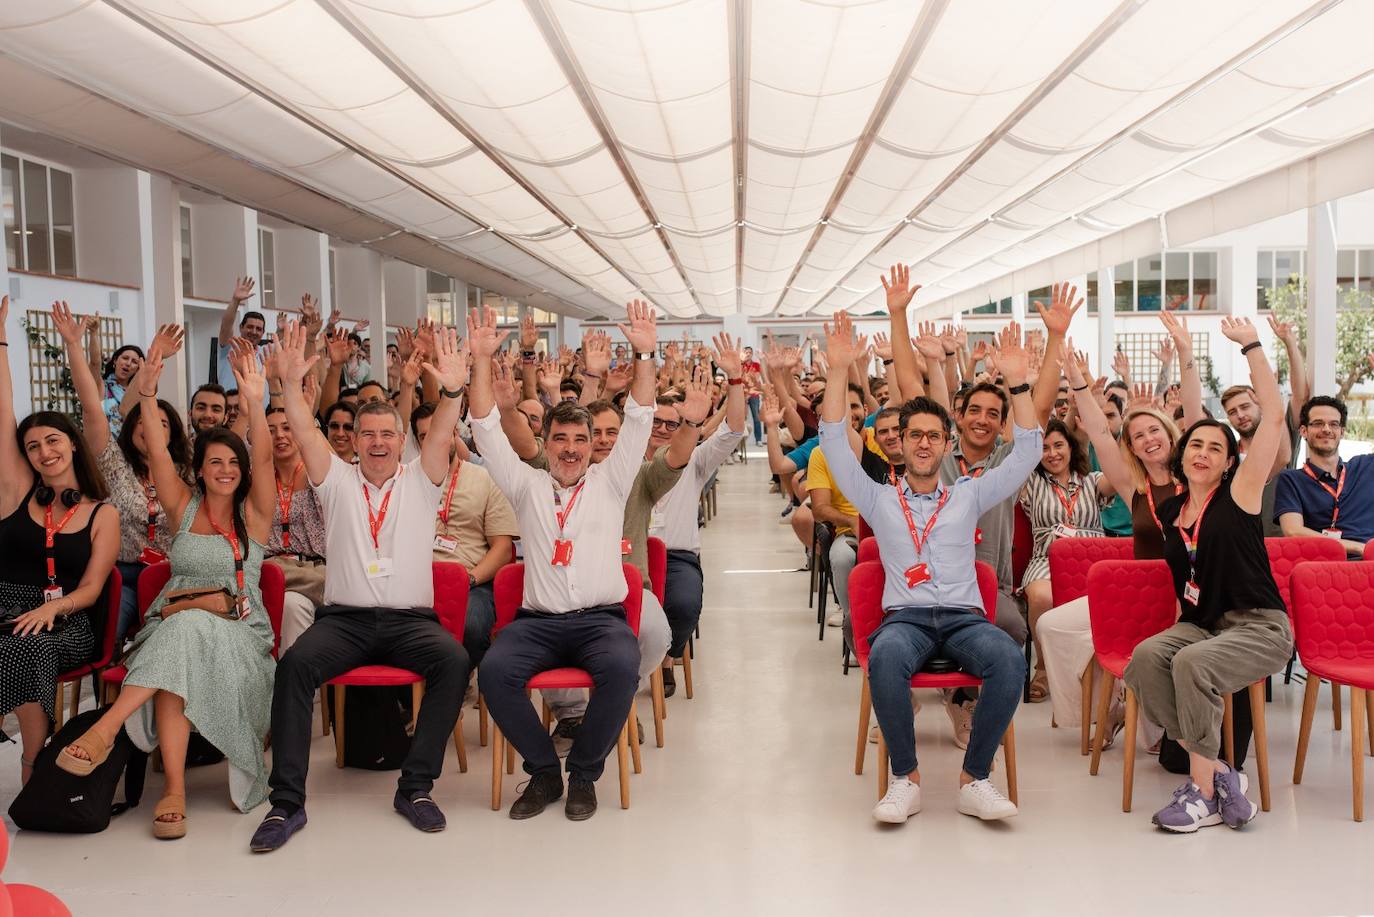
column 222, row 669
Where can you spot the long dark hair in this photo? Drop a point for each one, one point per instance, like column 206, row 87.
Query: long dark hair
column 1232, row 450
column 223, row 436
column 1078, row 457
column 108, row 370
column 178, row 446
column 88, row 477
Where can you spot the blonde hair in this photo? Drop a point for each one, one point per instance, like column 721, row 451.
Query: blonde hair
column 1137, row 468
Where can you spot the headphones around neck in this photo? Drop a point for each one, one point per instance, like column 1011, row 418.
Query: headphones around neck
column 45, row 495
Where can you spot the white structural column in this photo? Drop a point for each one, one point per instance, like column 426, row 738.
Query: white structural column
column 159, row 219
column 1243, row 279
column 1106, row 319
column 1321, row 297
column 570, row 332
column 1018, row 308
column 1078, row 328
column 302, row 266
column 460, row 306
column 362, row 293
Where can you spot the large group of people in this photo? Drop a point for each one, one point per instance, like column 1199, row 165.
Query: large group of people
column 476, row 450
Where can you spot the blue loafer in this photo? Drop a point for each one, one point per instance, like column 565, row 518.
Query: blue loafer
column 421, row 810
column 276, row 829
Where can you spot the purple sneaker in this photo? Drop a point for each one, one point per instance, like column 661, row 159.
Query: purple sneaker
column 1188, row 811
column 1236, row 809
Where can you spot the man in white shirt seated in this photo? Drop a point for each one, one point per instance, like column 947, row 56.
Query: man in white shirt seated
column 378, row 591
column 572, row 612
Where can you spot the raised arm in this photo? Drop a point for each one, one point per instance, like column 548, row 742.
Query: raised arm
column 95, row 426
column 1247, row 487
column 172, row 491
column 243, row 291
column 294, row 364
column 692, row 411
column 642, row 334
column 513, row 423
column 450, row 372
column 252, row 384
column 727, row 357
column 899, row 295
column 405, row 400
column 596, row 351
column 485, row 340
column 1297, row 367
column 1117, row 477
column 336, row 349
column 15, row 472
column 1064, row 303
column 1190, row 380
column 845, row 472
column 932, row 350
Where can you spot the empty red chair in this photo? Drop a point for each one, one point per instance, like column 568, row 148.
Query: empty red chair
column 1333, row 626
column 868, row 549
column 865, row 614
column 1070, row 560
column 110, row 596
column 864, row 531
column 1022, row 544
column 451, row 605
column 658, row 582
column 509, row 589
column 1128, row 601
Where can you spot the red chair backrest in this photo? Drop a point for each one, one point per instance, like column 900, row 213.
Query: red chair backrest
column 1022, row 543
column 1287, row 552
column 508, row 589
column 1369, row 551
column 1129, row 601
column 150, row 584
column 866, row 582
column 114, row 585
column 868, row 549
column 451, row 596
column 864, row 530
column 658, row 567
column 1333, row 612
column 1072, row 558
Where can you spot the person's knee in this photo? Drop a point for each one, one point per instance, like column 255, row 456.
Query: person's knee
column 1193, row 667
column 891, row 657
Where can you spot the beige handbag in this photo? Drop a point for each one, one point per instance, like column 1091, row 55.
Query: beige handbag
column 216, row 600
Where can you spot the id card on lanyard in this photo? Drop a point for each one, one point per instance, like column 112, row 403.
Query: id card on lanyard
column 232, row 536
column 1335, row 493
column 1191, row 592
column 563, row 547
column 441, row 541
column 53, row 591
column 378, row 566
column 918, row 572
column 151, row 555
column 284, row 495
column 1065, row 529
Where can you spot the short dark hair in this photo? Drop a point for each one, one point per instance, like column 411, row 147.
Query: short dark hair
column 178, row 446
column 668, row 401
column 1321, row 401
column 88, row 476
column 601, row 405
column 337, row 406
column 890, row 411
column 371, row 382
column 567, row 412
column 924, row 405
column 990, row 389
column 355, row 338
column 1120, row 404
column 230, row 393
column 274, row 409
column 570, row 385
column 858, row 389
column 348, row 392
column 251, row 314
column 226, row 437
column 1118, row 383
column 420, row 413
column 1078, row 456
column 213, row 389
column 1176, row 460
column 874, row 383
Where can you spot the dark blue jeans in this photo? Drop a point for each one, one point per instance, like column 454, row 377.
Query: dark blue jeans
column 481, row 617
column 909, row 637
column 682, row 597
column 128, row 600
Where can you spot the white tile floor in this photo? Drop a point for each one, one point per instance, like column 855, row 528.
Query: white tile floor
column 753, row 808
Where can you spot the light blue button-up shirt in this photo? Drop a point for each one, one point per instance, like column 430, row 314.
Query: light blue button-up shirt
column 949, row 551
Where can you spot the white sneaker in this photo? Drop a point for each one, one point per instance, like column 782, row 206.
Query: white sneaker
column 961, row 717
column 902, row 801
column 834, row 619
column 983, row 800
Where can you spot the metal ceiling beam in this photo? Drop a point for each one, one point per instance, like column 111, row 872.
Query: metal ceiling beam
column 739, row 23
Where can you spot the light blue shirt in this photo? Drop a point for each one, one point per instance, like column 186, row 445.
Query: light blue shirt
column 949, row 552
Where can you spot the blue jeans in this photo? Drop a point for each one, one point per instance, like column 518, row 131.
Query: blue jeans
column 903, row 643
column 128, row 600
column 754, row 418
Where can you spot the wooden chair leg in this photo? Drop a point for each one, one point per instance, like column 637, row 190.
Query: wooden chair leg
column 495, row 768
column 510, row 757
column 417, row 696
column 546, row 715
column 883, row 765
column 76, row 700
column 1099, row 734
column 1228, row 732
column 622, row 755
column 339, row 725
column 324, row 711
column 59, row 708
column 1261, row 741
column 1309, row 712
column 1128, row 749
column 1358, row 713
column 634, row 737
column 660, row 705
column 1369, row 712
column 482, row 721
column 687, row 655
column 1087, row 683
column 1335, row 706
column 459, row 745
column 1009, row 752
column 865, row 709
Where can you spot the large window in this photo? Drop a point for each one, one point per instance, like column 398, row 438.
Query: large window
column 186, row 287
column 1002, row 307
column 1175, row 281
column 267, row 266
column 40, row 224
column 439, row 298
column 1355, row 269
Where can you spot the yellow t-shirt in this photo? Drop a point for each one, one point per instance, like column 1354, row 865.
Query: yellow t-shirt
column 818, row 478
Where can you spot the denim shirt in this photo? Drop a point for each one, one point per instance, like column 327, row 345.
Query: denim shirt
column 949, row 551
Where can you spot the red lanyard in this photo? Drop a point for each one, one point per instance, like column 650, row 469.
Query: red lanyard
column 1150, row 496
column 1190, row 539
column 563, row 516
column 232, row 537
column 448, row 495
column 1335, row 494
column 374, row 522
column 150, row 494
column 919, row 541
column 284, row 504
column 1065, row 502
column 52, row 531
column 963, row 469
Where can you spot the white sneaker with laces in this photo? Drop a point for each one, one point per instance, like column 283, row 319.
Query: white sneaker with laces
column 903, row 800
column 834, row 619
column 983, row 800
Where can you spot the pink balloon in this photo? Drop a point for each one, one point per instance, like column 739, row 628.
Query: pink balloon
column 30, row 901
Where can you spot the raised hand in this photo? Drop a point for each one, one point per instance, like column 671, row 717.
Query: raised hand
column 898, row 287
column 291, row 359
column 362, row 326
column 949, row 339
column 1142, row 395
column 772, row 410
column 70, row 328
column 1064, row 303
column 697, row 403
column 727, row 355
column 643, row 330
column 1240, row 330
column 1075, row 365
column 1178, row 333
column 243, row 290
column 550, row 380
column 450, row 366
column 336, row 345
column 618, row 379
column 1164, row 353
column 1121, row 364
column 483, row 336
column 248, row 375
column 310, row 311
column 928, row 343
column 1012, row 357
column 882, row 346
column 168, row 340
column 405, row 343
column 596, row 352
column 841, row 347
column 424, row 335
column 503, row 385
column 410, row 369
column 980, row 352
column 529, row 334
column 149, row 374
column 1286, row 332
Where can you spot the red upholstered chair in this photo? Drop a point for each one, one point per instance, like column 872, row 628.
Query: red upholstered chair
column 451, row 605
column 1128, row 601
column 1022, row 544
column 150, row 583
column 865, row 613
column 868, row 549
column 110, row 596
column 1333, row 626
column 509, row 588
column 864, row 531
column 658, row 582
column 1070, row 560
column 1369, row 551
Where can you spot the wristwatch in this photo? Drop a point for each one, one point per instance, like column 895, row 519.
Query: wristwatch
column 644, row 355
column 450, row 394
column 1018, row 389
column 693, row 423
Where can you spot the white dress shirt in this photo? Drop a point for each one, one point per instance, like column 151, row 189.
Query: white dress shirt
column 406, row 537
column 674, row 518
column 595, row 576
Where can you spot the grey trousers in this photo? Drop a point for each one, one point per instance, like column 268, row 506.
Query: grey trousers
column 1182, row 675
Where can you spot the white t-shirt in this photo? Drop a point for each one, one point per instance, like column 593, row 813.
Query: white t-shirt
column 406, row 537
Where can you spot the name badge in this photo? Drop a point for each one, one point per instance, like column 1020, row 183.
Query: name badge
column 445, row 544
column 378, row 568
column 977, row 536
column 1191, row 593
column 625, row 546
column 52, row 593
column 562, row 552
column 917, row 574
column 151, row 556
column 1332, row 533
column 1065, row 531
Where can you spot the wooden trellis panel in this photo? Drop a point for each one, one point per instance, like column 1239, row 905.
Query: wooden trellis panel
column 47, row 371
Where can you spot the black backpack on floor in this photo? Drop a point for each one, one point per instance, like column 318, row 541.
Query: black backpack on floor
column 375, row 724
column 54, row 800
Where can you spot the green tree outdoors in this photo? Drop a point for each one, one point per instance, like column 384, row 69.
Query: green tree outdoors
column 1354, row 331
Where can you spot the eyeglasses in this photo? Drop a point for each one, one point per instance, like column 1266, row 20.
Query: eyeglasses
column 934, row 437
column 669, row 425
column 1324, row 425
column 335, row 425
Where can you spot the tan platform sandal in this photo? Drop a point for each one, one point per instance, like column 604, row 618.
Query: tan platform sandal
column 96, row 752
column 171, row 804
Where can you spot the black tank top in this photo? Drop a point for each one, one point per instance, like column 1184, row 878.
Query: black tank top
column 23, row 557
column 1232, row 568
